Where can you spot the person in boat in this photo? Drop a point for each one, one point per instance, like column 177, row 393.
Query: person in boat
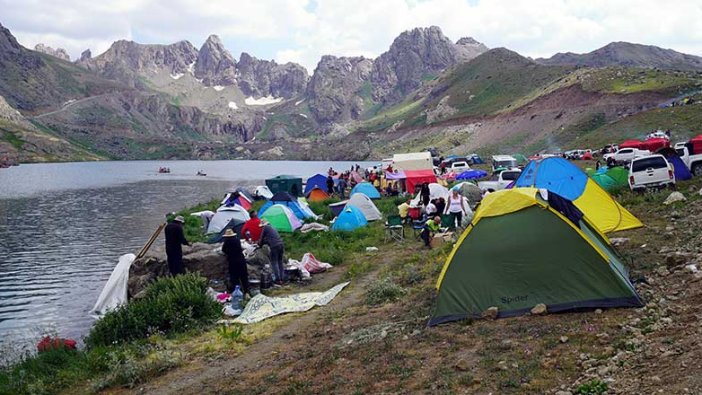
column 175, row 239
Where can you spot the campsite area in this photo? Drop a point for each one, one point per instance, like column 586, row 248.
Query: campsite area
column 373, row 337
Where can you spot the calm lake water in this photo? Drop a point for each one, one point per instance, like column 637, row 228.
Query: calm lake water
column 63, row 226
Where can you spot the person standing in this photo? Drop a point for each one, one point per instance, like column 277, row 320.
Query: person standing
column 455, row 207
column 271, row 237
column 425, row 192
column 175, row 239
column 330, row 185
column 252, row 228
column 238, row 273
column 342, row 187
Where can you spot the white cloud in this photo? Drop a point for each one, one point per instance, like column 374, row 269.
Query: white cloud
column 288, row 29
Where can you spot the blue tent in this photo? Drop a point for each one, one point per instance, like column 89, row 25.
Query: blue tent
column 367, row 189
column 288, row 200
column 351, row 218
column 475, row 159
column 471, row 174
column 318, row 181
column 681, row 171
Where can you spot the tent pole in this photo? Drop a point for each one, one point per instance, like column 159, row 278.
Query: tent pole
column 151, row 241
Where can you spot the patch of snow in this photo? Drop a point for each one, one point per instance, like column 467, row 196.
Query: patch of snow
column 199, row 80
column 233, row 106
column 218, row 88
column 177, row 76
column 303, row 115
column 263, row 101
column 297, row 103
column 191, row 67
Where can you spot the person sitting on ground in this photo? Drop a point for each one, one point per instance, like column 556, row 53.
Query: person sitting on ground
column 431, row 227
column 403, row 209
column 271, row 237
column 238, row 272
column 175, row 239
column 251, row 231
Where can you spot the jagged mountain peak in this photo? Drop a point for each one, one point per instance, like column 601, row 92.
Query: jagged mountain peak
column 215, row 65
column 8, row 42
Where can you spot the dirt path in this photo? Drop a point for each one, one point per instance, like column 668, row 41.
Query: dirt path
column 66, row 106
column 199, row 377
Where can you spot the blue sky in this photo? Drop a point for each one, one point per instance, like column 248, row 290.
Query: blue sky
column 304, row 30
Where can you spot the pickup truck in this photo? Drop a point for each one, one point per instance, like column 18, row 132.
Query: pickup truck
column 626, row 155
column 693, row 162
column 499, row 181
column 651, row 171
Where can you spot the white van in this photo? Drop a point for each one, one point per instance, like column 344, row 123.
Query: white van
column 503, row 161
column 651, row 171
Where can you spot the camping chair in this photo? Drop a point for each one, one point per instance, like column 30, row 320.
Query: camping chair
column 418, row 226
column 394, row 229
column 446, row 222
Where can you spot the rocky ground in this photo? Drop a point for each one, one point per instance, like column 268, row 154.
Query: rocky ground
column 373, row 337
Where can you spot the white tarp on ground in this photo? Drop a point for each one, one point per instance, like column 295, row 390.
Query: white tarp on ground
column 261, row 307
column 114, row 293
column 365, row 204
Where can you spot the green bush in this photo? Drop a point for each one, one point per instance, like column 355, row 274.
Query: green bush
column 170, row 305
column 384, row 291
column 593, row 387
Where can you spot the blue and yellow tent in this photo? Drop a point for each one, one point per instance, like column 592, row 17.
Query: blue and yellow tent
column 559, row 176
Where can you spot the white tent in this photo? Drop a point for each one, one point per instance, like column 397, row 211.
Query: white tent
column 263, row 191
column 413, row 161
column 365, row 204
column 435, row 191
column 224, row 215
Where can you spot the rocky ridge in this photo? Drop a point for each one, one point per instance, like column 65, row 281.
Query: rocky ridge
column 58, row 52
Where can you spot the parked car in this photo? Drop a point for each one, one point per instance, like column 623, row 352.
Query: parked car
column 459, row 166
column 626, row 155
column 693, row 162
column 500, row 181
column 503, row 161
column 652, row 171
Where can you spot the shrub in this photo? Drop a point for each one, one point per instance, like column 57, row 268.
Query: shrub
column 170, row 305
column 593, row 387
column 384, row 291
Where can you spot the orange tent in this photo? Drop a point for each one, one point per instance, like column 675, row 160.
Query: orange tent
column 317, row 195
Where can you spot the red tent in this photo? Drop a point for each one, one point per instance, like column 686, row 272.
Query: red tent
column 631, row 144
column 418, row 177
column 655, row 144
column 696, row 143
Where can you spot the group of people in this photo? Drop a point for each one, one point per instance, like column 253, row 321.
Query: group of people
column 349, row 179
column 455, row 207
column 254, row 231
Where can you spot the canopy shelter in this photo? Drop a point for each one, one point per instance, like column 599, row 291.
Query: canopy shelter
column 290, row 201
column 656, row 144
column 281, row 218
column 413, row 161
column 525, row 248
column 224, row 215
column 365, row 204
column 367, row 189
column 285, row 183
column 413, row 178
column 351, row 218
column 695, row 145
column 316, row 195
column 559, row 176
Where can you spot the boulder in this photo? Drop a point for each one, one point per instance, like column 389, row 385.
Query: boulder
column 490, row 313
column 674, row 197
column 539, row 309
column 206, row 259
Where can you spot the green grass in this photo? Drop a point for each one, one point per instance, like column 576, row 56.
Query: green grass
column 11, row 138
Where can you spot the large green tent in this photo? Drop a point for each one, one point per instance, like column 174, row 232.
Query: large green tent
column 612, row 179
column 522, row 250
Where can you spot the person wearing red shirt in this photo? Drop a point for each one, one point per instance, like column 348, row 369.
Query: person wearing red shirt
column 252, row 228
